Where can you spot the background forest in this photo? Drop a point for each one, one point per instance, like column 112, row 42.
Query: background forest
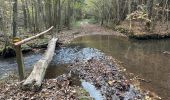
column 81, row 29
column 127, row 16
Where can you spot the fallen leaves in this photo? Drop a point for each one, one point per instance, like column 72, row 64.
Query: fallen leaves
column 57, row 89
column 106, row 77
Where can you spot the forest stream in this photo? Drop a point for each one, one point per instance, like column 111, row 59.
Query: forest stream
column 84, row 50
column 147, row 59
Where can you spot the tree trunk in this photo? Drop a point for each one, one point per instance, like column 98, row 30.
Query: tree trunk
column 29, row 24
column 33, row 18
column 59, row 16
column 68, row 13
column 36, row 17
column 118, row 10
column 15, row 18
column 24, row 13
column 149, row 8
column 33, row 82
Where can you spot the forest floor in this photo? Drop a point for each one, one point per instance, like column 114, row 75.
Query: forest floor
column 139, row 31
column 104, row 74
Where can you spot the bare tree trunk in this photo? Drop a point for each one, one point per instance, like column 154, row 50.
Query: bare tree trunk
column 68, row 14
column 118, row 10
column 33, row 19
column 24, row 13
column 29, row 24
column 59, row 16
column 36, row 17
column 15, row 14
column 149, row 8
column 130, row 13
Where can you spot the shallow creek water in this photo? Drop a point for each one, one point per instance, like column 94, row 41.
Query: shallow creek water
column 9, row 65
column 147, row 59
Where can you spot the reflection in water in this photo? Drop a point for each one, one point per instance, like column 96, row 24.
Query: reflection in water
column 56, row 70
column 144, row 58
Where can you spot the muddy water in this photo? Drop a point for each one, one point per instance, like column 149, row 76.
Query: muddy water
column 143, row 58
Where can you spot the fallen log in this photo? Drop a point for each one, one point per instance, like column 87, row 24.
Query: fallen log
column 33, row 82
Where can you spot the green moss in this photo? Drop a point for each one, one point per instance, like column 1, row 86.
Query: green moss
column 85, row 98
column 83, row 94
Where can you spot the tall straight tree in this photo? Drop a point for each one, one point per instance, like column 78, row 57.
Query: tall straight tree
column 24, row 13
column 59, row 15
column 15, row 14
column 68, row 13
column 149, row 8
column 29, row 23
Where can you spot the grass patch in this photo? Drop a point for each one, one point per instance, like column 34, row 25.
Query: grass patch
column 92, row 21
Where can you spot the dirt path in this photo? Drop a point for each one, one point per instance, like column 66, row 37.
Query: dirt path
column 86, row 29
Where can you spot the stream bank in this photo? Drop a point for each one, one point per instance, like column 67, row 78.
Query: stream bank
column 140, row 32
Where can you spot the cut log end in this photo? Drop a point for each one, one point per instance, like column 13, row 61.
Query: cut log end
column 34, row 81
